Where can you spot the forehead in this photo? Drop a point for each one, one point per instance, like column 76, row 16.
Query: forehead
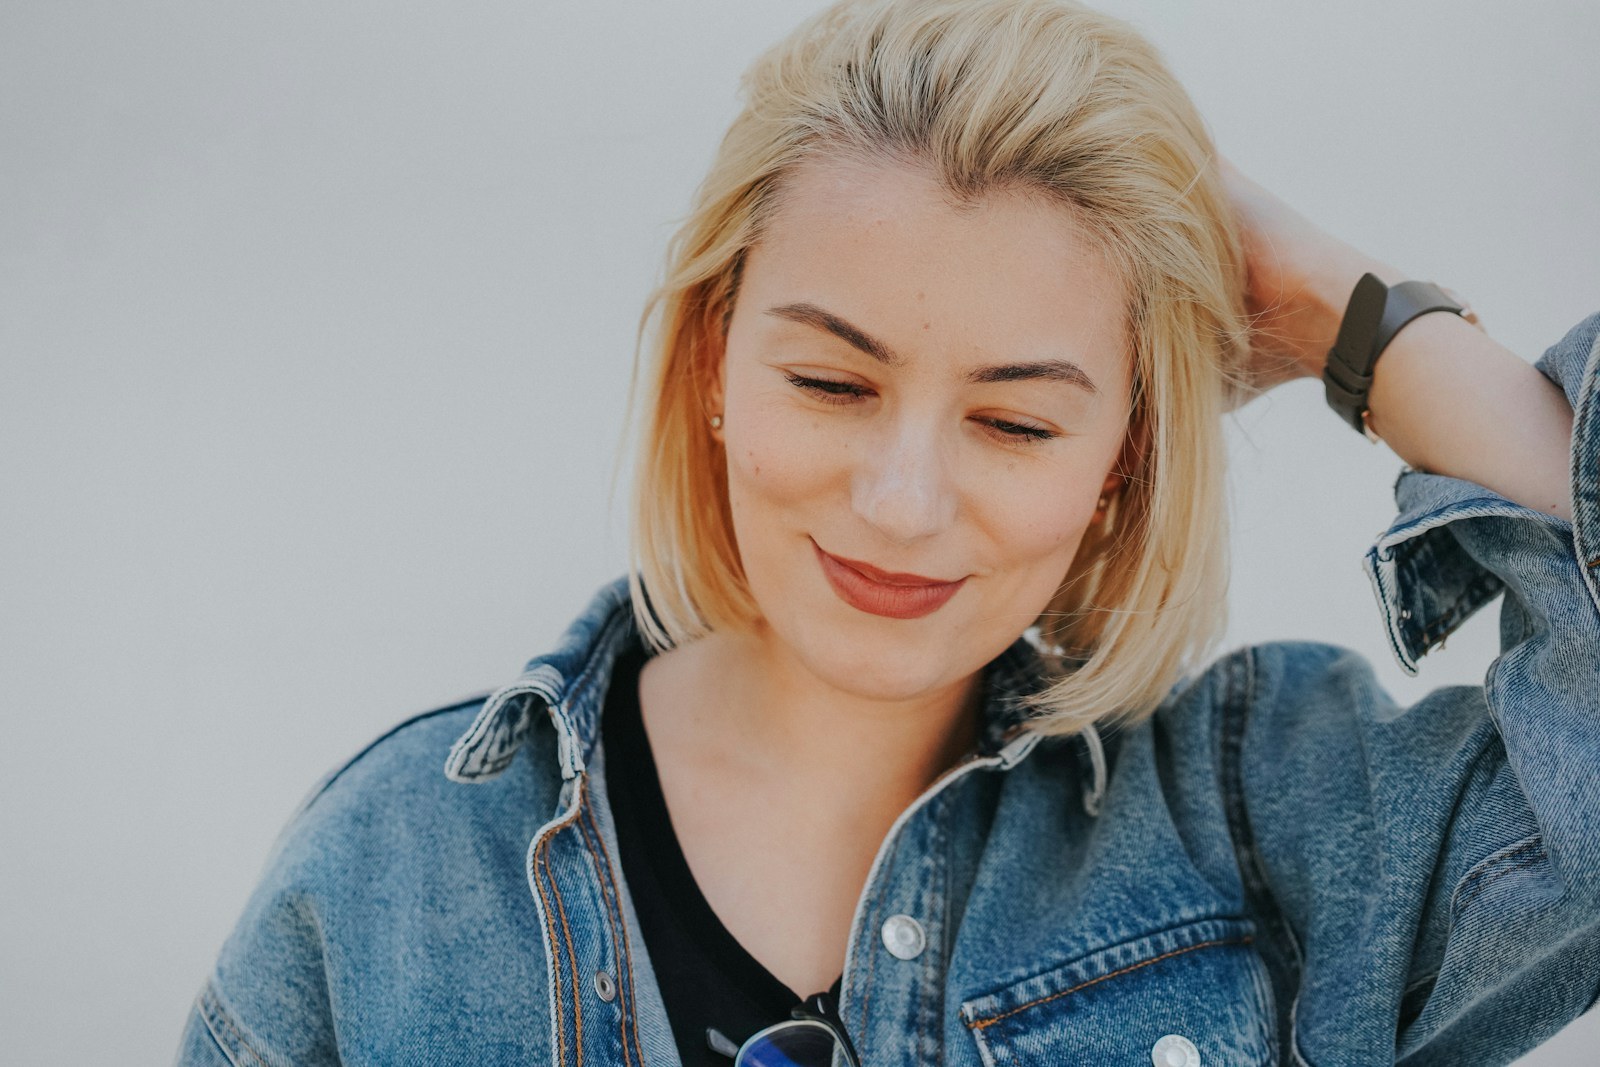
column 1010, row 272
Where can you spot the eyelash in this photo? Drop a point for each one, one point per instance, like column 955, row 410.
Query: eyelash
column 832, row 392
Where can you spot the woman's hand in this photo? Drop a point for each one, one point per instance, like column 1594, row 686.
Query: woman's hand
column 1299, row 280
column 1445, row 396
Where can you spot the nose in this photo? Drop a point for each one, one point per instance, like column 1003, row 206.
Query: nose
column 906, row 489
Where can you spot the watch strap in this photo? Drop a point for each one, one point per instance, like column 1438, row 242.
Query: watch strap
column 1374, row 315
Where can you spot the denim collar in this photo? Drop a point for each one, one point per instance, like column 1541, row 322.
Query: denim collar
column 567, row 686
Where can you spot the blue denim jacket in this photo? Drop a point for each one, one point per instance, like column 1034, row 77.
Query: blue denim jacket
column 1281, row 866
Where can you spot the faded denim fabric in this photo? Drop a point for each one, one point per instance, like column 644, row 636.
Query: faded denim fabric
column 1282, row 865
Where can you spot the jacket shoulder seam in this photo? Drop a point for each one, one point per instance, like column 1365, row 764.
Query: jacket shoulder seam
column 333, row 776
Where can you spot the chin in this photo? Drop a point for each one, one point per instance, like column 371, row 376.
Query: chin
column 876, row 670
column 880, row 658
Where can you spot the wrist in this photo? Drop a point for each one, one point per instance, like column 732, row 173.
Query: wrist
column 1327, row 292
column 1376, row 314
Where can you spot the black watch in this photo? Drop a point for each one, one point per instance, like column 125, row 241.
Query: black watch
column 1376, row 313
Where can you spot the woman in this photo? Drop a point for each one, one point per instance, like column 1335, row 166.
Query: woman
column 901, row 722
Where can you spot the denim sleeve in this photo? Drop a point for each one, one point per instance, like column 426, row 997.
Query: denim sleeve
column 199, row 1046
column 273, row 962
column 215, row 1037
column 1429, row 876
column 267, row 1002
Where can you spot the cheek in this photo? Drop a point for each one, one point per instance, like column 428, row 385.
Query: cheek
column 1035, row 523
column 779, row 468
column 1041, row 514
column 1034, row 551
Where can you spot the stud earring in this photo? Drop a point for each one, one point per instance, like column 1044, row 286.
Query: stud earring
column 1100, row 509
column 716, row 422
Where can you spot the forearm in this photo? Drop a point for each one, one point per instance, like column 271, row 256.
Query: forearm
column 1445, row 396
column 1451, row 400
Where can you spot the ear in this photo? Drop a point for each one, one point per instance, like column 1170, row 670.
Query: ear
column 711, row 360
column 1130, row 458
column 716, row 375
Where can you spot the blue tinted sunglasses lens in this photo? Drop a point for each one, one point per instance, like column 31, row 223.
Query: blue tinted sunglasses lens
column 795, row 1044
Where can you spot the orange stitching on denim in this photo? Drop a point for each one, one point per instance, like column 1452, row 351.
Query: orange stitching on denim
column 1593, row 563
column 980, row 1024
column 540, row 854
column 619, row 933
column 589, row 832
column 566, row 933
column 1518, row 857
column 555, row 971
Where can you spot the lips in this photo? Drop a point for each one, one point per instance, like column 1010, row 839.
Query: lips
column 890, row 577
column 886, row 593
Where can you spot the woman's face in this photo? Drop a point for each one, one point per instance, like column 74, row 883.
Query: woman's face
column 932, row 390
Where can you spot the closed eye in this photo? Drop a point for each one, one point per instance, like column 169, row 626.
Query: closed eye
column 830, row 391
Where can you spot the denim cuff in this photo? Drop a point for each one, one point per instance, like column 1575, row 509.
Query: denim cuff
column 1425, row 579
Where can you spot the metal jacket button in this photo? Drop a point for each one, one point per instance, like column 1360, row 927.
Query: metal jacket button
column 903, row 937
column 605, row 987
column 1175, row 1051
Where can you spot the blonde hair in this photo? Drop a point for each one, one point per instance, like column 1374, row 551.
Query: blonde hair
column 1043, row 96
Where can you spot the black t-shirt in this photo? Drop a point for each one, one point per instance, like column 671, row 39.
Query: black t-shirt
column 707, row 978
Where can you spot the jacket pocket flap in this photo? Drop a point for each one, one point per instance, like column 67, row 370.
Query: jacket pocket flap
column 1198, row 993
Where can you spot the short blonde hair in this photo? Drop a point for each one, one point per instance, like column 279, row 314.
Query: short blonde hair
column 1043, row 96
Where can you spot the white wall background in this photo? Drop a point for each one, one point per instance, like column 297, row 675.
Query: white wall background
column 315, row 325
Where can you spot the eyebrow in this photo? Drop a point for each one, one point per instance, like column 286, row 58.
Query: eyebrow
column 1047, row 370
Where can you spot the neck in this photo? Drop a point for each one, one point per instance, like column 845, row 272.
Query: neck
column 782, row 720
column 782, row 787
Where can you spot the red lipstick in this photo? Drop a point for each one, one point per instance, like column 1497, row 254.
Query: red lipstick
column 886, row 593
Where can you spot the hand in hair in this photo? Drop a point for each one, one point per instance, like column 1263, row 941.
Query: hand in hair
column 1446, row 397
column 1299, row 279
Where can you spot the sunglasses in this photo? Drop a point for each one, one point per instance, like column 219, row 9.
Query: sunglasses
column 813, row 1037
